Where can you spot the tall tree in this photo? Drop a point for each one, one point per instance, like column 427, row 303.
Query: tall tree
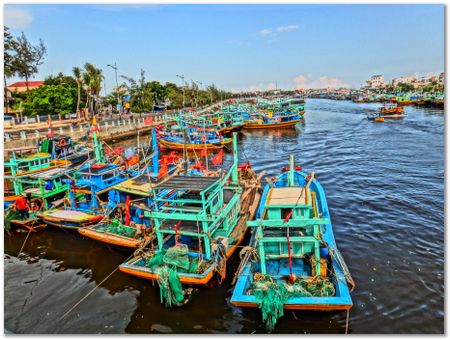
column 28, row 57
column 9, row 70
column 92, row 79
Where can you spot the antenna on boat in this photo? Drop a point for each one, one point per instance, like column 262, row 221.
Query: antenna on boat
column 291, row 171
column 235, row 159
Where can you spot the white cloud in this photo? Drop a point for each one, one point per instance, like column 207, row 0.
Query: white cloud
column 17, row 18
column 308, row 82
column 278, row 30
column 265, row 31
column 281, row 29
column 259, row 87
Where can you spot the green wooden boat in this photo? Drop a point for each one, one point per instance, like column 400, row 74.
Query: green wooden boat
column 197, row 230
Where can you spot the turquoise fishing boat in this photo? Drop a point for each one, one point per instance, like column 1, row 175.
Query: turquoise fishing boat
column 197, row 231
column 292, row 261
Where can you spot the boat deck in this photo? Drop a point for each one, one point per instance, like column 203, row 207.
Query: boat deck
column 287, row 196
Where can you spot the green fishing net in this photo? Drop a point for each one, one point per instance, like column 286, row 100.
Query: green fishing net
column 170, row 288
column 273, row 294
column 10, row 216
column 175, row 257
column 167, row 264
column 115, row 227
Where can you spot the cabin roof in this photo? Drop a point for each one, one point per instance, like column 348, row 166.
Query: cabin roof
column 141, row 184
column 89, row 170
column 51, row 173
column 287, row 196
column 191, row 183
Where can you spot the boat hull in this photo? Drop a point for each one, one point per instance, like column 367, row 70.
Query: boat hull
column 68, row 219
column 272, row 126
column 192, row 147
column 131, row 268
column 110, row 238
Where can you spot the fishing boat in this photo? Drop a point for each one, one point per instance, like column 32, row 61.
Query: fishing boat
column 390, row 110
column 224, row 121
column 96, row 179
column 63, row 147
column 192, row 138
column 197, row 231
column 292, row 261
column 17, row 169
column 282, row 119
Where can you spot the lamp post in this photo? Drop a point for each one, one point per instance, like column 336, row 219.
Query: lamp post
column 201, row 84
column 117, row 86
column 182, row 79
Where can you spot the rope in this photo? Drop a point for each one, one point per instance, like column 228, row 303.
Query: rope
column 23, row 245
column 92, row 290
column 346, row 321
column 247, row 253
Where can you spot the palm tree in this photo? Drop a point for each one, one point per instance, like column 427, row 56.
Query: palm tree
column 92, row 78
column 79, row 80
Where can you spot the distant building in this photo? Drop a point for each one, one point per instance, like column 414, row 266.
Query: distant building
column 406, row 80
column 21, row 86
column 441, row 78
column 375, row 81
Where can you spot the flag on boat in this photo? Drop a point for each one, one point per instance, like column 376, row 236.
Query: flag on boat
column 217, row 159
column 204, row 152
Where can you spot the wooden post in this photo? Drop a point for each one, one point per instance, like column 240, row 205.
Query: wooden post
column 127, row 210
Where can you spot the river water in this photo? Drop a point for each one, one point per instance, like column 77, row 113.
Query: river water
column 385, row 188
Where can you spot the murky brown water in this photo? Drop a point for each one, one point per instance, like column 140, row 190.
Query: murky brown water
column 385, row 188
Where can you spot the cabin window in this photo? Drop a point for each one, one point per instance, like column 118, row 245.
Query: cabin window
column 108, row 175
column 285, row 212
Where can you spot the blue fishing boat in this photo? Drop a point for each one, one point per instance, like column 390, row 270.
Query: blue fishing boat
column 292, row 261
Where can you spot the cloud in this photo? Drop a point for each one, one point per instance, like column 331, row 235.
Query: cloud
column 272, row 32
column 288, row 28
column 265, row 31
column 260, row 87
column 17, row 18
column 308, row 82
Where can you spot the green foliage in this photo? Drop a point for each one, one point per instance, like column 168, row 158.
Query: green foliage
column 50, row 99
column 27, row 57
column 9, row 45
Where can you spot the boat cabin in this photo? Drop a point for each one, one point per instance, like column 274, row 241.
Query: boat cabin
column 201, row 209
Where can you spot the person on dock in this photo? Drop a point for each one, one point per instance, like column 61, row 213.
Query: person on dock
column 141, row 221
column 21, row 206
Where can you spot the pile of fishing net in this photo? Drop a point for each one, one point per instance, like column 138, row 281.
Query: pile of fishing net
column 167, row 264
column 273, row 294
column 115, row 227
column 11, row 215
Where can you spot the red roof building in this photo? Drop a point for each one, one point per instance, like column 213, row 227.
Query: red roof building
column 21, row 86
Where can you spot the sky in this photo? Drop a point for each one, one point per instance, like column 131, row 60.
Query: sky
column 238, row 47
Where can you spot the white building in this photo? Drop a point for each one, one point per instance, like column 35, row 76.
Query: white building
column 375, row 81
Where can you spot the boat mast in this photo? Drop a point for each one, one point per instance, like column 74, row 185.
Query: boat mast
column 155, row 150
column 291, row 171
column 235, row 160
column 98, row 149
